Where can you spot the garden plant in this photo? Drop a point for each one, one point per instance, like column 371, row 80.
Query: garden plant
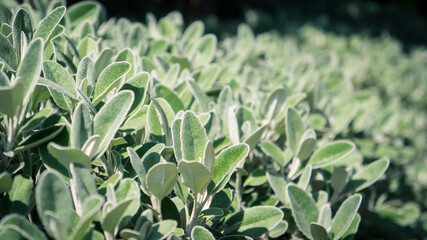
column 112, row 129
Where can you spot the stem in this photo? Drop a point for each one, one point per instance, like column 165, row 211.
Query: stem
column 239, row 191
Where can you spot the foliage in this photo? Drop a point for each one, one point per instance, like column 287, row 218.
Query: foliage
column 113, row 129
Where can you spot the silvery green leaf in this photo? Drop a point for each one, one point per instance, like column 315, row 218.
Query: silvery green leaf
column 193, row 32
column 226, row 162
column 47, row 26
column 103, row 60
column 305, row 177
column 206, row 46
column 81, row 127
column 162, row 229
column 278, row 184
column 161, row 179
column 275, row 104
column 171, row 97
column 193, row 137
column 40, row 137
column 353, row 227
column 318, row 232
column 12, row 97
column 86, row 70
column 52, row 196
column 368, row 175
column 306, row 145
column 8, row 53
column 330, row 153
column 108, row 79
column 91, row 206
column 21, row 23
column 29, row 69
column 208, row 76
column 325, row 217
column 256, row 178
column 176, row 136
column 5, row 182
column 200, row 96
column 209, row 157
column 111, row 215
column 90, row 147
column 256, row 221
column 21, row 225
column 194, row 175
column 85, row 46
column 81, row 12
column 254, row 138
column 159, row 118
column 82, row 185
column 18, row 198
column 233, row 127
column 35, row 120
column 128, row 188
column 274, row 152
column 138, row 83
column 339, row 179
column 127, row 56
column 279, row 229
column 67, row 155
column 304, row 210
column 345, row 215
column 201, row 233
column 294, row 129
column 56, row 73
column 109, row 118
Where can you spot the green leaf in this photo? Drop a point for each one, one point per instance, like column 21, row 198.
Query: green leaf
column 82, row 185
column 305, row 177
column 368, row 175
column 161, row 179
column 325, row 217
column 330, row 153
column 162, row 229
column 170, row 96
column 226, row 162
column 127, row 56
column 18, row 199
column 56, row 73
column 278, row 230
column 12, row 98
column 209, row 157
column 138, row 84
column 256, row 221
column 256, row 178
column 306, row 145
column 318, row 232
column 304, row 209
column 200, row 96
column 108, row 120
column 35, row 120
column 67, row 155
column 53, row 197
column 5, row 182
column 176, row 137
column 87, row 45
column 345, row 215
column 30, row 67
column 278, row 184
column 81, row 12
column 40, row 137
column 91, row 207
column 339, row 179
column 20, row 224
column 353, row 227
column 111, row 214
column 86, row 70
column 201, row 233
column 8, row 53
column 207, row 49
column 108, row 79
column 274, row 152
column 194, row 175
column 128, row 188
column 193, row 32
column 294, row 129
column 193, row 137
column 81, row 128
column 21, row 23
column 47, row 26
column 275, row 104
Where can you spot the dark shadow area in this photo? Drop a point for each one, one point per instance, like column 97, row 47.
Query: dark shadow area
column 405, row 20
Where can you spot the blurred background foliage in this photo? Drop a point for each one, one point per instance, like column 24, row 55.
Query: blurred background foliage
column 405, row 20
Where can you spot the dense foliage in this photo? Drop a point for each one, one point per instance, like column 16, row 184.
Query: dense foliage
column 117, row 129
